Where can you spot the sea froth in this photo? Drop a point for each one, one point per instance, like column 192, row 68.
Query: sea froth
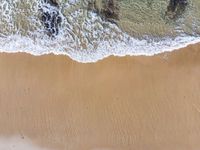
column 83, row 35
column 131, row 47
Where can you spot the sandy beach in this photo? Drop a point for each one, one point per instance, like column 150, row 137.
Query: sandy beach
column 119, row 103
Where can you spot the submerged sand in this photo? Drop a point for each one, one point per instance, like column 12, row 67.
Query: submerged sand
column 119, row 103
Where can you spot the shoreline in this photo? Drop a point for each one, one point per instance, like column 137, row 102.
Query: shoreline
column 131, row 47
column 118, row 103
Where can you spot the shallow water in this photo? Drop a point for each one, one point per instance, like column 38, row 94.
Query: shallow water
column 148, row 17
column 143, row 29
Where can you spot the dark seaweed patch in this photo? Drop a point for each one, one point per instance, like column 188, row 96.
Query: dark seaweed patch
column 176, row 8
column 51, row 19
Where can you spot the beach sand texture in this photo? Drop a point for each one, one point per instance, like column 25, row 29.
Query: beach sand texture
column 119, row 103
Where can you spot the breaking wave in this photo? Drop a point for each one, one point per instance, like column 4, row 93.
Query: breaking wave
column 82, row 35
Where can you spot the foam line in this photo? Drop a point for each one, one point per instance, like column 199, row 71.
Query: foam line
column 83, row 36
column 133, row 47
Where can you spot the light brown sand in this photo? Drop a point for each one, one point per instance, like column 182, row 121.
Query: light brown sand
column 127, row 103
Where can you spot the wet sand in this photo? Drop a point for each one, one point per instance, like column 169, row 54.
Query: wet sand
column 119, row 103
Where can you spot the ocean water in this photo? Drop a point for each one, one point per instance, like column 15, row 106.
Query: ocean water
column 143, row 28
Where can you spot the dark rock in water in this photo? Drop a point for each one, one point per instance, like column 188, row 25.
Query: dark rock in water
column 108, row 9
column 52, row 2
column 111, row 9
column 176, row 7
column 51, row 19
column 91, row 6
column 51, row 22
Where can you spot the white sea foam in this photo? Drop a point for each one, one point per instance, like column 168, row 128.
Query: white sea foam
column 101, row 38
column 131, row 47
column 17, row 143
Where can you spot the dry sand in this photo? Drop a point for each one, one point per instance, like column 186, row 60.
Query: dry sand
column 127, row 103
